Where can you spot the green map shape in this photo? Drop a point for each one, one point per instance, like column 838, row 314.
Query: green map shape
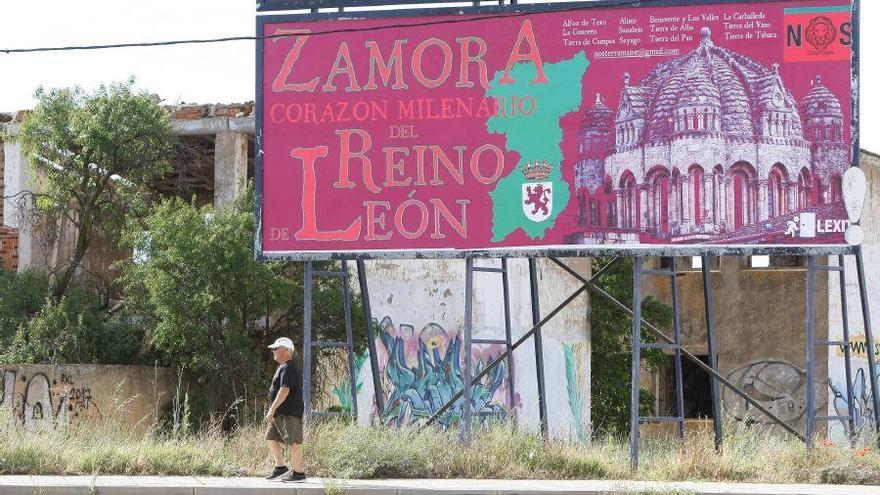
column 535, row 137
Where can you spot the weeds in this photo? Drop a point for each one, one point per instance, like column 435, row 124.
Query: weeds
column 338, row 450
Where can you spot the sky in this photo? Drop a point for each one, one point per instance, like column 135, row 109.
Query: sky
column 212, row 73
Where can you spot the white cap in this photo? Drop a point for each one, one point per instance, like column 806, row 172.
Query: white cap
column 282, row 342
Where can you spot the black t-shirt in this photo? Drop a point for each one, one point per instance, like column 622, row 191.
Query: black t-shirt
column 287, row 375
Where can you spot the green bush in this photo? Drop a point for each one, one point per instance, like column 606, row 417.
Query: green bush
column 75, row 329
column 211, row 309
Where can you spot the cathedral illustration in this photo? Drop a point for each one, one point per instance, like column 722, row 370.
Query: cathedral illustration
column 708, row 147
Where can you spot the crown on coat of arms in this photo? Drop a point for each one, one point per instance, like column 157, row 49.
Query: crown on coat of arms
column 537, row 170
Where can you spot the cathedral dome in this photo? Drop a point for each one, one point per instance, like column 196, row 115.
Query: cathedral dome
column 820, row 102
column 715, row 77
column 698, row 90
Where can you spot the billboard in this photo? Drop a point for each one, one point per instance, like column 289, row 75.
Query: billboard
column 554, row 127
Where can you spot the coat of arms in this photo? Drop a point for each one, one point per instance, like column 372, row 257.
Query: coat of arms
column 537, row 193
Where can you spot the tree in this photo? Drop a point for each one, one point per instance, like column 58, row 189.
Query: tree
column 209, row 306
column 96, row 152
column 611, row 344
column 74, row 329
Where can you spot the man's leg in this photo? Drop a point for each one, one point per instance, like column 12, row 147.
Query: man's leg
column 277, row 452
column 296, row 458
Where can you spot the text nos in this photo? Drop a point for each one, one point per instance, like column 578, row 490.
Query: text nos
column 820, row 33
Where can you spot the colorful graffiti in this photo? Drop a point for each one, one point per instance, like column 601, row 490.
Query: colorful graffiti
column 343, row 390
column 575, row 399
column 35, row 399
column 422, row 371
column 863, row 409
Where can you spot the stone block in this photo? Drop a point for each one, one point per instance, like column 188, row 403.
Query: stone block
column 20, row 116
column 233, row 110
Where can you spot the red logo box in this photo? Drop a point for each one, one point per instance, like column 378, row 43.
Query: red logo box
column 816, row 34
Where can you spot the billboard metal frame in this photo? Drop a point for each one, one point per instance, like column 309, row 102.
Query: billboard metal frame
column 554, row 253
column 573, row 250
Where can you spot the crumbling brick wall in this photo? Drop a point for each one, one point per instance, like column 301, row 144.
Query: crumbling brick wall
column 8, row 236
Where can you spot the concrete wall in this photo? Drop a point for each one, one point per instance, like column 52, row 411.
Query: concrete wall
column 422, row 301
column 49, row 395
column 760, row 333
column 837, row 403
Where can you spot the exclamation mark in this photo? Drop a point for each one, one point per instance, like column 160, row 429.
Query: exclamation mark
column 855, row 185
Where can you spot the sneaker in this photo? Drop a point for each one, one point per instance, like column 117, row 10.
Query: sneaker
column 277, row 472
column 293, row 476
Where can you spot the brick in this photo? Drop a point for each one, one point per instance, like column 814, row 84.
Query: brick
column 190, row 112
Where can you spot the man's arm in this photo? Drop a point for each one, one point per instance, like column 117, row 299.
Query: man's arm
column 279, row 399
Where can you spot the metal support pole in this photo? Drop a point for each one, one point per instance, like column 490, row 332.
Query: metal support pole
column 307, row 341
column 636, row 358
column 466, row 413
column 527, row 335
column 811, row 344
column 869, row 341
column 847, row 353
column 676, row 329
column 349, row 337
column 539, row 346
column 713, row 356
column 371, row 339
column 588, row 284
column 508, row 334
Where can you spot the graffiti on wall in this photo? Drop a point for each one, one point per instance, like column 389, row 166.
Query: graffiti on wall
column 40, row 399
column 343, row 390
column 421, row 371
column 573, row 388
column 863, row 409
column 777, row 385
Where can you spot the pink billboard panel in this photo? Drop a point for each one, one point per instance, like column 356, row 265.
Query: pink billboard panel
column 682, row 125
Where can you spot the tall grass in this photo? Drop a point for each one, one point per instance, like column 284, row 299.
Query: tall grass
column 340, row 450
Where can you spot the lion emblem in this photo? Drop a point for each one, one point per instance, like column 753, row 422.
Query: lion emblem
column 821, row 33
column 537, row 200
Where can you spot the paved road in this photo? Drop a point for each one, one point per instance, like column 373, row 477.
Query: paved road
column 182, row 485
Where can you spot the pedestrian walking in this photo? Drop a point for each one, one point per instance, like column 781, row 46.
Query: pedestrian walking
column 284, row 417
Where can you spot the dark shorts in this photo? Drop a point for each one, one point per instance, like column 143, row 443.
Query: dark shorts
column 286, row 429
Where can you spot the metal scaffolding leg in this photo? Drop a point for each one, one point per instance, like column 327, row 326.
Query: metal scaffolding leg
column 588, row 284
column 713, row 352
column 349, row 339
column 527, row 335
column 812, row 418
column 539, row 346
column 636, row 361
column 847, row 353
column 508, row 335
column 811, row 342
column 371, row 339
column 307, row 341
column 309, row 344
column 466, row 413
column 869, row 341
column 507, row 341
column 636, row 418
column 676, row 324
